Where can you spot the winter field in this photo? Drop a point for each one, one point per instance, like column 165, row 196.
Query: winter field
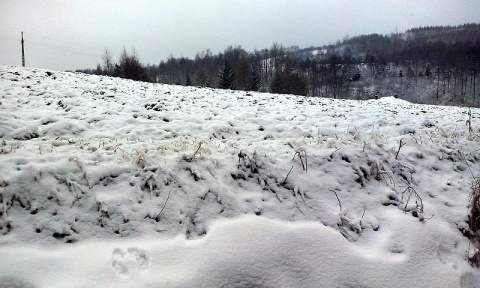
column 114, row 183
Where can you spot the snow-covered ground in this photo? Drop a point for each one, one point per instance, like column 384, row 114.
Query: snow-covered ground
column 114, row 183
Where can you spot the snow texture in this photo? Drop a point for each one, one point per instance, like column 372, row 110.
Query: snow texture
column 114, row 183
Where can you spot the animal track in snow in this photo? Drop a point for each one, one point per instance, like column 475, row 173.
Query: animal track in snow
column 446, row 256
column 131, row 261
column 469, row 280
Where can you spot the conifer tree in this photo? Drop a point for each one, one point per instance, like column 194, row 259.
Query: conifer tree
column 254, row 81
column 286, row 82
column 226, row 76
column 243, row 73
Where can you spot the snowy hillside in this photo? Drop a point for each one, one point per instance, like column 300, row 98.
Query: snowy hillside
column 114, row 183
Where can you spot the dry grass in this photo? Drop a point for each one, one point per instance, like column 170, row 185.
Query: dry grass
column 252, row 162
column 379, row 172
column 198, row 151
column 474, row 221
column 471, row 132
column 473, row 216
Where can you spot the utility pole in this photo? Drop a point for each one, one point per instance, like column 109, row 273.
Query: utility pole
column 23, row 52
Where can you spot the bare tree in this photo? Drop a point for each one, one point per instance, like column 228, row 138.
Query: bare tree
column 107, row 62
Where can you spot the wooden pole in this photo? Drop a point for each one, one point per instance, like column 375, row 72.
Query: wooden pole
column 23, row 52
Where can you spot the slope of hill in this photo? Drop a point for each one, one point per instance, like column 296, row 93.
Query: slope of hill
column 113, row 183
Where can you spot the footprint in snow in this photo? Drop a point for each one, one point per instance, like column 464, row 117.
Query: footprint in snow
column 469, row 280
column 446, row 256
column 130, row 261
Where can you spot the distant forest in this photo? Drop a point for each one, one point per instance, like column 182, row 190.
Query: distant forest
column 435, row 65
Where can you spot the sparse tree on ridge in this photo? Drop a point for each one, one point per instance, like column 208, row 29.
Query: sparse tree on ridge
column 131, row 68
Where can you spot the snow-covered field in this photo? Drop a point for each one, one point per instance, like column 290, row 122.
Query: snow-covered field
column 114, row 183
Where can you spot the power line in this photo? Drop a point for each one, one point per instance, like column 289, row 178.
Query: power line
column 64, row 49
column 9, row 39
column 37, row 41
column 58, row 40
column 49, row 45
column 27, row 33
column 11, row 31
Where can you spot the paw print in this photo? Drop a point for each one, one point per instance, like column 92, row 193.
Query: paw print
column 131, row 261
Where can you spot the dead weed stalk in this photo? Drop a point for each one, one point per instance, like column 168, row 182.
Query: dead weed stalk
column 410, row 193
column 302, row 154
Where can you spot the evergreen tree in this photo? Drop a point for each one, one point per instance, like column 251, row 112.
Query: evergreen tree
column 226, row 76
column 286, row 82
column 297, row 85
column 243, row 73
column 201, row 78
column 99, row 70
column 254, row 81
column 116, row 70
column 278, row 83
column 428, row 71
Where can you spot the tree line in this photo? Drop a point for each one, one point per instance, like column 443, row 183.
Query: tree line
column 446, row 60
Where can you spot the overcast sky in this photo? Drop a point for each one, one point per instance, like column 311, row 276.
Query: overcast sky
column 71, row 34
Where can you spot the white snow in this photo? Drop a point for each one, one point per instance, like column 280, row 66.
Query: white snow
column 114, row 183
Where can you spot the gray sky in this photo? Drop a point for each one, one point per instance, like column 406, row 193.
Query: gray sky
column 70, row 34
